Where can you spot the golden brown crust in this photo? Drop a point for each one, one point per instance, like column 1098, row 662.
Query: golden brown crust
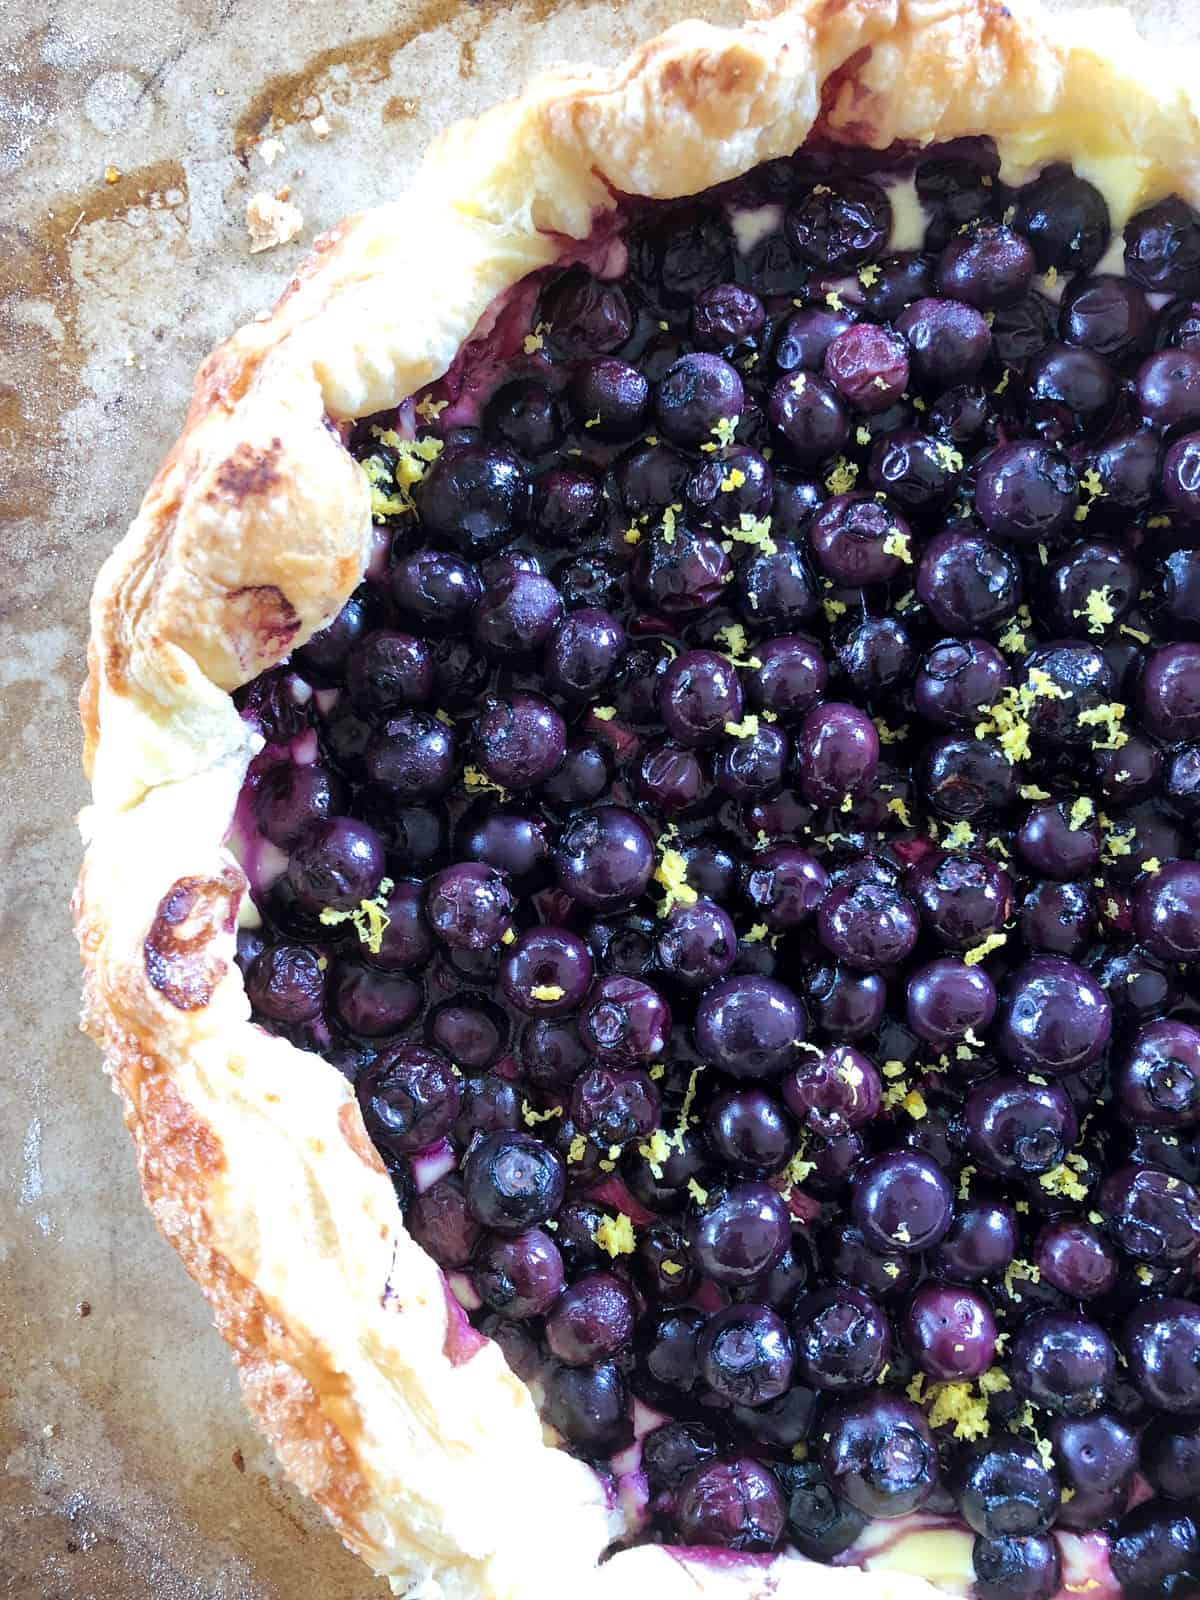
column 426, row 1452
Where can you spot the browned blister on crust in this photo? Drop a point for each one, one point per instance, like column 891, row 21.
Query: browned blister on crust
column 426, row 1452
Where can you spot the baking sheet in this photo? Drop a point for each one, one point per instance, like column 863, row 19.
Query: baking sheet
column 128, row 149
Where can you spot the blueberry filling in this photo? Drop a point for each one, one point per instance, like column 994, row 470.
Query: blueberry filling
column 740, row 842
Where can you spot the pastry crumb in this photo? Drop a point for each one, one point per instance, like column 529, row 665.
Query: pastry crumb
column 270, row 150
column 271, row 222
column 320, row 126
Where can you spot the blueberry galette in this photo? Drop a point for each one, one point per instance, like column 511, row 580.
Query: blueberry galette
column 642, row 895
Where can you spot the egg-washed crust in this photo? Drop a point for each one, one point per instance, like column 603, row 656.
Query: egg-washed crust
column 424, row 1450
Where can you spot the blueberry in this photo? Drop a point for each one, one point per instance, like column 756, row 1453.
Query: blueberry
column 1063, row 1362
column 901, row 1201
column 1154, row 1544
column 879, row 1455
column 741, row 1234
column 749, row 1026
column 583, row 315
column 734, row 1503
column 474, row 496
column 286, row 983
column 1065, row 218
column 1016, row 1567
column 842, row 1339
column 841, row 226
column 410, row 1098
column 512, row 1182
column 589, row 1406
column 1004, row 1488
column 1161, row 1342
column 745, row 1355
column 519, row 1276
column 1162, row 248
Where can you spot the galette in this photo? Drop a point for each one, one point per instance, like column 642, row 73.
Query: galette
column 642, row 892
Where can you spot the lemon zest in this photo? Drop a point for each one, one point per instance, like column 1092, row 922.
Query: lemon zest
column 1106, row 716
column 976, row 954
column 547, row 991
column 671, row 873
column 369, row 918
column 605, row 713
column 842, row 477
column 532, row 1117
column 615, row 1235
column 896, row 544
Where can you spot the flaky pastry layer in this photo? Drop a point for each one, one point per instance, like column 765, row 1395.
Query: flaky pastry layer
column 422, row 1447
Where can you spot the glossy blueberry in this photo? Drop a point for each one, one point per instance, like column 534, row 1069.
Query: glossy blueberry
column 946, row 1000
column 749, row 1131
column 785, row 886
column 474, row 496
column 374, row 1003
column 337, row 863
column 1151, row 1215
column 512, row 1182
column 901, row 1201
column 855, row 540
column 725, row 315
column 948, row 341
column 867, row 925
column 1158, row 1080
column 1054, row 1017
column 439, row 1221
column 987, row 266
column 1170, row 1457
column 868, row 366
column 837, row 747
column 810, row 417
column 592, row 1320
column 1025, row 493
column 520, row 741
column 749, row 1026
column 841, row 225
column 1096, row 1458
column 411, row 756
column 323, row 655
column 604, row 858
column 820, row 1524
column 1005, row 1488
column 1166, row 912
column 438, row 589
column 740, row 1234
column 583, row 315
column 547, row 972
column 1161, row 1342
column 1152, row 1546
column 469, row 906
column 1018, row 1129
column 842, row 1339
column 968, row 583
column 623, row 1021
column 880, row 1455
column 286, row 983
column 833, row 1091
column 957, row 679
column 745, row 1354
column 589, row 1406
column 1065, row 218
column 1063, row 1363
column 523, row 415
column 982, row 1240
column 1016, row 1567
column 845, row 1004
column 682, row 575
column 734, row 1503
column 291, row 796
column 410, row 1098
column 521, row 1276
column 567, row 503
column 1162, row 248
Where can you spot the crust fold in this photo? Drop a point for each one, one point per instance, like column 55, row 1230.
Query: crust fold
column 252, row 1154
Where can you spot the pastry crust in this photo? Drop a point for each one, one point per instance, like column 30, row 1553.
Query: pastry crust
column 424, row 1450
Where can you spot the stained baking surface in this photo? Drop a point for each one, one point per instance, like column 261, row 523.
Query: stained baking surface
column 131, row 139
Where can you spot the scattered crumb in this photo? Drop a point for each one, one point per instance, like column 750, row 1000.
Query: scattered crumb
column 238, row 1460
column 270, row 150
column 320, row 126
column 271, row 222
column 84, row 1308
column 112, row 175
